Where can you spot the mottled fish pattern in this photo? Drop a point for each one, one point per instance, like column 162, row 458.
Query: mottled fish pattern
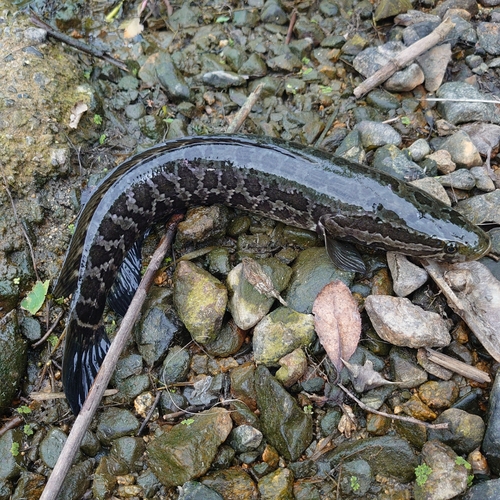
column 297, row 185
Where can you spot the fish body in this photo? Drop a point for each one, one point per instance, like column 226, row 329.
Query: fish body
column 301, row 186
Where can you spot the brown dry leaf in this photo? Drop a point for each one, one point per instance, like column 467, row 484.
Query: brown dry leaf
column 337, row 322
column 134, row 27
column 348, row 423
column 76, row 113
column 256, row 276
column 364, row 377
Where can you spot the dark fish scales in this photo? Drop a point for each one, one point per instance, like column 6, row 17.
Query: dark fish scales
column 300, row 186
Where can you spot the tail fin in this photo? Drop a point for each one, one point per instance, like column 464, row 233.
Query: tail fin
column 84, row 353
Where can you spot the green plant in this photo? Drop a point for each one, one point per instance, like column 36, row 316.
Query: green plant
column 14, row 449
column 102, row 139
column 23, row 410
column 422, row 473
column 308, row 409
column 462, row 461
column 53, row 340
column 405, row 120
column 354, row 483
column 28, row 430
column 188, row 421
column 97, row 119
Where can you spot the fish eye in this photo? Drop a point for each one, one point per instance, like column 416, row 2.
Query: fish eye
column 451, row 247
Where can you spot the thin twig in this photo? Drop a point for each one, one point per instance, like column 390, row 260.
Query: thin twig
column 96, row 392
column 244, row 111
column 25, row 234
column 389, row 415
column 49, row 331
column 289, row 33
column 443, row 99
column 405, row 57
column 150, row 413
column 77, row 44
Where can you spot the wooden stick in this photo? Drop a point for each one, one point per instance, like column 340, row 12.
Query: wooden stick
column 389, row 415
column 244, row 111
column 457, row 366
column 94, row 396
column 77, row 44
column 405, row 57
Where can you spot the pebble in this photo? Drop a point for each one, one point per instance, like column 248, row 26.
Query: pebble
column 293, row 367
column 462, row 150
column 465, row 431
column 489, row 37
column 200, row 300
column 51, row 446
column 487, row 490
column 281, row 332
column 114, row 423
column 481, row 208
column 432, row 186
column 277, row 484
column 443, row 161
column 491, row 441
column 401, row 323
column 406, row 276
column 388, row 456
column 245, row 438
column 223, row 79
column 419, row 149
column 431, row 367
column 10, row 465
column 234, row 482
column 356, row 478
column 438, row 395
column 290, row 429
column 376, row 134
column 434, row 64
column 459, row 179
column 447, row 478
column 392, row 160
column 247, row 305
column 404, row 368
column 456, row 112
column 483, row 180
column 186, row 451
column 351, row 148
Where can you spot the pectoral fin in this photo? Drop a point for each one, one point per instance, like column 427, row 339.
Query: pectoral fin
column 343, row 254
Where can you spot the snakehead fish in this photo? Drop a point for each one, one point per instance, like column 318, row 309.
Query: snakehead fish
column 297, row 185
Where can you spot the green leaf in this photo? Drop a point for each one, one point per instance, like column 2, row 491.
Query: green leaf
column 35, row 299
column 102, row 139
column 28, row 430
column 405, row 120
column 23, row 410
column 14, row 449
column 98, row 119
column 222, row 19
column 188, row 421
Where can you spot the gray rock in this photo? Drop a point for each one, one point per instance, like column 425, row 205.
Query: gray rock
column 246, row 304
column 404, row 368
column 443, row 161
column 13, row 358
column 281, row 332
column 34, row 35
column 311, row 271
column 468, row 5
column 462, row 150
column 254, row 66
column 388, row 456
column 481, row 208
column 406, row 276
column 245, row 438
column 489, row 37
column 192, row 490
column 288, row 62
column 487, row 490
column 460, row 179
column 432, row 186
column 447, row 478
column 200, row 300
column 375, row 134
column 351, row 147
column 392, row 160
column 405, row 80
column 491, row 441
column 202, row 224
column 77, row 481
column 223, row 79
column 277, row 484
column 290, row 429
column 155, row 334
column 382, row 100
column 129, row 450
column 51, row 446
column 273, row 13
column 460, row 111
column 10, row 465
column 419, row 149
column 465, row 431
column 114, row 423
column 356, row 478
column 434, row 63
column 401, row 323
column 482, row 178
column 187, row 451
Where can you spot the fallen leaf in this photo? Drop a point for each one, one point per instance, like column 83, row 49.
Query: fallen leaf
column 348, row 422
column 337, row 322
column 134, row 27
column 76, row 113
column 364, row 377
column 257, row 277
column 36, row 297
